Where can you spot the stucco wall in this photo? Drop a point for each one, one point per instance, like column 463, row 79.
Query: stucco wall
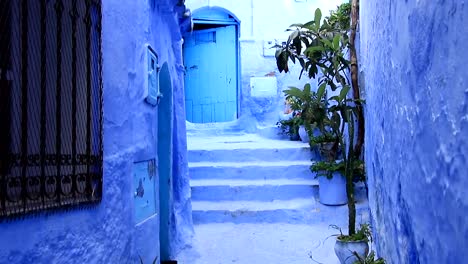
column 414, row 69
column 108, row 232
column 264, row 20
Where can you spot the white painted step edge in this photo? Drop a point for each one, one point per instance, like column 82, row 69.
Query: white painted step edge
column 257, row 182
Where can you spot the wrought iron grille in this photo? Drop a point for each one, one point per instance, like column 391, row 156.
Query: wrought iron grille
column 50, row 105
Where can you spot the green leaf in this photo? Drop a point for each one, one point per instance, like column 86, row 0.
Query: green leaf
column 293, row 91
column 293, row 36
column 336, row 98
column 309, row 24
column 302, row 62
column 297, row 25
column 306, row 41
column 336, row 121
column 297, row 45
column 293, row 58
column 307, row 89
column 344, row 92
column 321, row 90
column 315, row 48
column 278, row 53
column 336, row 42
column 318, row 17
column 327, row 42
column 282, row 61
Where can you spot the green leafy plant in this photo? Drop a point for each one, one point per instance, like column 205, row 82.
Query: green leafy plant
column 324, row 47
column 369, row 259
column 340, row 18
column 362, row 234
column 321, row 48
column 291, row 126
column 311, row 105
column 323, row 138
column 327, row 168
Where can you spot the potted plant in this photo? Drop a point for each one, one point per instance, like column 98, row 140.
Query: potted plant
column 290, row 126
column 350, row 249
column 322, row 46
column 327, row 145
column 311, row 108
column 370, row 259
column 332, row 182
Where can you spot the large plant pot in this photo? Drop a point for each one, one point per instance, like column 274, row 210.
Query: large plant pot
column 332, row 191
column 344, row 250
column 303, row 134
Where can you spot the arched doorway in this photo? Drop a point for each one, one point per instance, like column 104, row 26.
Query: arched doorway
column 211, row 58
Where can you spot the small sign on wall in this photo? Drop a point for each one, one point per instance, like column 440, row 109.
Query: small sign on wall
column 144, row 183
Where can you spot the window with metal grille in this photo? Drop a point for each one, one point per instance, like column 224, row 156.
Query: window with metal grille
column 50, row 105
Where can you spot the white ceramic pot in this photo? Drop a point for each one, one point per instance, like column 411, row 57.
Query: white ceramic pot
column 344, row 250
column 332, row 191
column 303, row 134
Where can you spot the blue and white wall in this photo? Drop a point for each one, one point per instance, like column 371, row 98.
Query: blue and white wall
column 413, row 65
column 263, row 21
column 109, row 232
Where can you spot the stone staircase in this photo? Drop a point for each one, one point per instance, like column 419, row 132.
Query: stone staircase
column 250, row 179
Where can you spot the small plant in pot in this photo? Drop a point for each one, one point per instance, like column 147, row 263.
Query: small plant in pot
column 327, row 145
column 311, row 106
column 332, row 181
column 350, row 249
column 370, row 259
column 291, row 126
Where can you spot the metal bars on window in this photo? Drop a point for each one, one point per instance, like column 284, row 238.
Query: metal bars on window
column 50, row 105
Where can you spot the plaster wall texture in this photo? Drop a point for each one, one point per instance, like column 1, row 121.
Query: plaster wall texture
column 265, row 20
column 108, row 232
column 416, row 87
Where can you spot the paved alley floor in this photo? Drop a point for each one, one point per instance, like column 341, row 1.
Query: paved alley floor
column 228, row 243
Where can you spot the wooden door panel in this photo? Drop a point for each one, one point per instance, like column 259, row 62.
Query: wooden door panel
column 211, row 77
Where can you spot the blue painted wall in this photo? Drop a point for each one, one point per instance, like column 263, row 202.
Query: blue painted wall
column 108, row 232
column 413, row 56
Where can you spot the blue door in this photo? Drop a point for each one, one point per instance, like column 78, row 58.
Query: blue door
column 211, row 77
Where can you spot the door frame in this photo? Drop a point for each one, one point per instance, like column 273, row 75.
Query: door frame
column 214, row 15
column 165, row 162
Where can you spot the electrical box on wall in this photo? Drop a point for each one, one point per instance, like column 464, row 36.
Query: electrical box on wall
column 268, row 51
column 263, row 86
column 144, row 183
column 152, row 92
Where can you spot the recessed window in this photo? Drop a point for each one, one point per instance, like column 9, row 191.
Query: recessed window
column 50, row 105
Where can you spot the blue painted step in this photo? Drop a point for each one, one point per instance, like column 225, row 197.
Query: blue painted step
column 254, row 190
column 247, row 148
column 267, row 170
column 249, row 179
column 298, row 211
column 249, row 155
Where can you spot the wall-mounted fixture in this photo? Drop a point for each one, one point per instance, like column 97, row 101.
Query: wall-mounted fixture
column 152, row 93
column 263, row 86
